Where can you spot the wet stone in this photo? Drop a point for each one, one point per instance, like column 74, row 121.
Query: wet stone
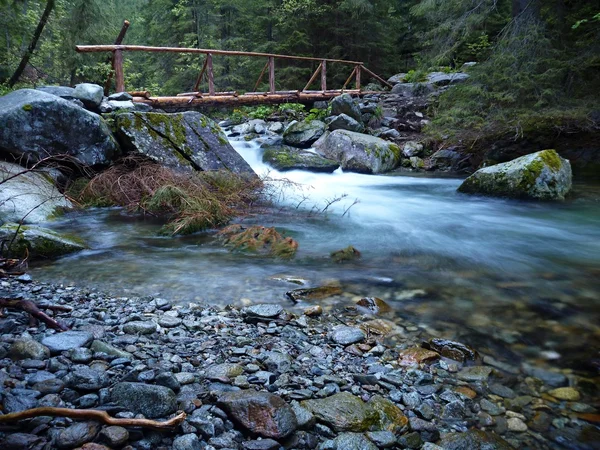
column 49, row 386
column 114, row 436
column 475, row 373
column 540, row 422
column 474, row 440
column 67, row 340
column 353, row 441
column 167, row 379
column 81, row 355
column 102, row 347
column 554, row 379
column 501, row 390
column 382, row 439
column 223, row 372
column 13, row 403
column 266, row 310
column 345, row 335
column 139, row 327
column 28, row 349
column 410, row 440
column 516, row 424
column 77, row 435
column 262, row 444
column 150, row 400
column 86, row 379
column 187, row 442
column 169, row 321
column 491, row 407
column 88, row 401
column 21, row 441
column 565, row 393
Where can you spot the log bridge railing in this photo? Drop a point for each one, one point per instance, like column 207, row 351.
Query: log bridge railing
column 212, row 97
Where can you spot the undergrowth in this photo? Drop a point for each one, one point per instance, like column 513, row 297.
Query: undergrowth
column 189, row 202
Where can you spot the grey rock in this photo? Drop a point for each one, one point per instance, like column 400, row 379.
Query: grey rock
column 81, row 355
column 223, row 372
column 304, row 417
column 30, row 197
column 114, row 436
column 103, row 347
column 278, row 362
column 361, row 153
column 275, row 127
column 126, row 105
column 345, row 335
column 398, row 78
column 345, row 122
column 65, row 92
column 444, row 79
column 284, row 158
column 88, row 401
column 139, row 327
column 262, row 444
column 265, row 310
column 28, row 349
column 86, row 379
column 409, row 90
column 448, row 160
column 12, row 403
column 32, row 125
column 120, row 96
column 150, row 400
column 21, row 441
column 49, row 386
column 539, row 176
column 186, row 141
column 353, row 441
column 77, row 434
column 412, row 148
column 303, row 134
column 383, row 439
column 474, row 440
column 67, row 340
column 262, row 413
column 549, row 377
column 474, row 373
column 345, row 104
column 169, row 321
column 90, row 94
column 167, row 379
column 187, row 442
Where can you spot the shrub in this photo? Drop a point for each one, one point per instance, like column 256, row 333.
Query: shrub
column 189, row 202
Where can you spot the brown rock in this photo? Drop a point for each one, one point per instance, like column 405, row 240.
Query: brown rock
column 373, row 305
column 313, row 311
column 417, row 355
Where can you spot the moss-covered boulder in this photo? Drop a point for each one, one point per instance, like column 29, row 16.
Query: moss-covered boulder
column 286, row 158
column 36, row 242
column 185, row 141
column 539, row 176
column 346, row 412
column 35, row 125
column 303, row 134
column 361, row 153
column 30, row 197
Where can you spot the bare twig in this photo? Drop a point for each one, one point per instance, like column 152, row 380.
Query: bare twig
column 101, row 416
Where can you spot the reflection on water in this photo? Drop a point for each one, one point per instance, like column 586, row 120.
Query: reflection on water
column 520, row 279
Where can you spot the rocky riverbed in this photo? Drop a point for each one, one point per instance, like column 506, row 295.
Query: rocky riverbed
column 264, row 378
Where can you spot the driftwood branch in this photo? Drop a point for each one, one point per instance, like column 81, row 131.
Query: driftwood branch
column 101, row 416
column 30, row 307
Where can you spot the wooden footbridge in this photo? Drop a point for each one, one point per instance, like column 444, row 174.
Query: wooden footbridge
column 215, row 98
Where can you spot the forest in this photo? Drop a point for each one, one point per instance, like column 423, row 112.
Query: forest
column 534, row 55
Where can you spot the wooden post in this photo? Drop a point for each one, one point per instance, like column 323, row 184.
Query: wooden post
column 314, row 77
column 358, row 69
column 271, row 75
column 118, row 41
column 324, row 75
column 199, row 80
column 211, row 75
column 119, row 76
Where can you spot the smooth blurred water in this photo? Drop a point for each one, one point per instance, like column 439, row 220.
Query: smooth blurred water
column 482, row 262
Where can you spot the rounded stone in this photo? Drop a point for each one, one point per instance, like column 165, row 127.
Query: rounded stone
column 345, row 335
column 150, row 400
column 187, row 442
column 266, row 310
column 28, row 349
column 114, row 436
column 565, row 393
column 77, row 435
column 139, row 327
column 67, row 340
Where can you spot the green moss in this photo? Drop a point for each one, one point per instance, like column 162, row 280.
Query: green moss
column 552, row 159
column 27, row 107
column 396, row 151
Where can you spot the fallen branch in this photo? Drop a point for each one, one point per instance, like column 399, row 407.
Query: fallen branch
column 30, row 307
column 101, row 416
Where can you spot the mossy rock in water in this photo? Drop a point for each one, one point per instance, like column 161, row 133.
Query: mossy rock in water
column 303, row 134
column 37, row 242
column 542, row 175
column 346, row 254
column 286, row 158
column 261, row 240
column 316, row 293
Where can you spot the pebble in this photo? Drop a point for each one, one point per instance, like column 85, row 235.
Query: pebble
column 565, row 393
column 139, row 328
column 150, row 400
column 28, row 349
column 67, row 340
column 345, row 335
column 516, row 424
column 264, row 310
column 114, row 436
column 77, row 434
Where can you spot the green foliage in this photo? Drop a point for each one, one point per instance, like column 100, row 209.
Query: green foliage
column 318, row 114
column 415, row 76
column 261, row 112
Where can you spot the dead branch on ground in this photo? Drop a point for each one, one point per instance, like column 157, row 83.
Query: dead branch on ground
column 30, row 307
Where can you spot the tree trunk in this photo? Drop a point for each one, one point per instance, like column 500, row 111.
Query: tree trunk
column 33, row 44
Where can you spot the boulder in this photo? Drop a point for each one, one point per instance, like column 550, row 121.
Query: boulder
column 35, row 125
column 60, row 91
column 345, row 122
column 185, row 141
column 449, row 160
column 412, row 148
column 413, row 89
column 539, row 176
column 120, row 96
column 444, row 79
column 30, row 197
column 303, row 134
column 261, row 413
column 90, row 94
column 398, row 78
column 38, row 242
column 290, row 158
column 361, row 153
column 345, row 104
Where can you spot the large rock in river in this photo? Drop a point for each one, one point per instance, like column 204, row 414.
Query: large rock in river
column 303, row 134
column 185, row 141
column 29, row 197
column 539, row 176
column 289, row 158
column 37, row 242
column 35, row 124
column 361, row 153
column 345, row 104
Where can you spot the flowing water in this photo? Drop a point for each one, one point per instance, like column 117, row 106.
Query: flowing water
column 520, row 279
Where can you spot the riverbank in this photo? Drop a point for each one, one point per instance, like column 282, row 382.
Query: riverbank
column 339, row 379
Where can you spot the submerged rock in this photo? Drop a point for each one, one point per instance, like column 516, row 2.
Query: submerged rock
column 185, row 141
column 256, row 239
column 303, row 134
column 38, row 242
column 316, row 293
column 474, row 440
column 361, row 153
column 35, row 125
column 346, row 254
column 289, row 158
column 30, row 197
column 539, row 176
